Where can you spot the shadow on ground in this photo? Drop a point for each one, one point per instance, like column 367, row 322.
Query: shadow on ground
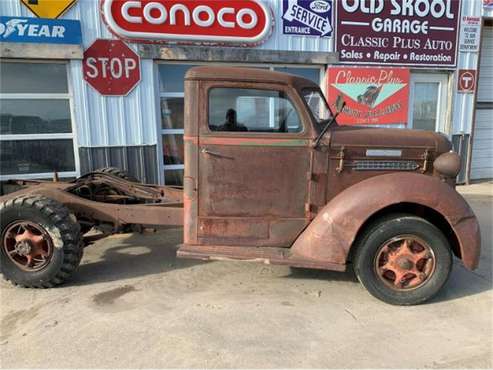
column 132, row 255
column 305, row 273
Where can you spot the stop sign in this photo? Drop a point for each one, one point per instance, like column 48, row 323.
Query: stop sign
column 111, row 67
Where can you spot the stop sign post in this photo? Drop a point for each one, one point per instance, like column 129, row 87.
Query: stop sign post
column 111, row 67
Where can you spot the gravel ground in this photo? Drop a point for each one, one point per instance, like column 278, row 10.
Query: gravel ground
column 132, row 304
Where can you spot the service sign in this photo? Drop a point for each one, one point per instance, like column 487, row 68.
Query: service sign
column 307, row 18
column 404, row 32
column 470, row 34
column 373, row 96
column 239, row 22
column 40, row 31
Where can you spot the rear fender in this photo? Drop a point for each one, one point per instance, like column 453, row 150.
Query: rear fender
column 331, row 234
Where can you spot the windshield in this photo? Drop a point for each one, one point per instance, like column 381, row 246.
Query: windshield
column 318, row 106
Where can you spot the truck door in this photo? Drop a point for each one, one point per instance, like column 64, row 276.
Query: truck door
column 254, row 158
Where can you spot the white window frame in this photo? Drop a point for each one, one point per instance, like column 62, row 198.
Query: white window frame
column 271, row 66
column 442, row 79
column 21, row 137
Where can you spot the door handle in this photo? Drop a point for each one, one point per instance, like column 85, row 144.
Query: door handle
column 207, row 151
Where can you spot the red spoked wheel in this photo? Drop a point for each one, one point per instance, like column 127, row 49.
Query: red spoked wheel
column 402, row 259
column 41, row 241
column 405, row 262
column 28, row 245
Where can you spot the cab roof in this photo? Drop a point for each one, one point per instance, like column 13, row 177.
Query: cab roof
column 218, row 73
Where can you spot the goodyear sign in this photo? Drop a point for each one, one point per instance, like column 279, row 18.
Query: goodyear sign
column 49, row 8
column 37, row 30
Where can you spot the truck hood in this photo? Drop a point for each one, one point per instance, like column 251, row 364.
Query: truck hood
column 387, row 138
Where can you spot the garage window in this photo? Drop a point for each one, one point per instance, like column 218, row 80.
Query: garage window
column 36, row 135
column 171, row 85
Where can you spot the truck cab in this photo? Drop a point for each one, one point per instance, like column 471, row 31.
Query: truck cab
column 266, row 180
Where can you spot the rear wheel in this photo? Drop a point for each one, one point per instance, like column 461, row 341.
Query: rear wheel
column 118, row 173
column 403, row 260
column 41, row 243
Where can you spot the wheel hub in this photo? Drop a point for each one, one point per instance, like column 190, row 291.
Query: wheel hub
column 24, row 248
column 28, row 245
column 405, row 262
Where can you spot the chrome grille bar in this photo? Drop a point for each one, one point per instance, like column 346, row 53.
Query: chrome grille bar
column 372, row 165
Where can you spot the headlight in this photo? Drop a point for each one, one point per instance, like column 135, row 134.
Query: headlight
column 448, row 164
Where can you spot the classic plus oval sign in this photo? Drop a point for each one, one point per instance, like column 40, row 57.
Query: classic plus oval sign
column 111, row 67
column 201, row 21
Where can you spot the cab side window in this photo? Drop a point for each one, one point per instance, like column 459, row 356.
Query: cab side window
column 252, row 110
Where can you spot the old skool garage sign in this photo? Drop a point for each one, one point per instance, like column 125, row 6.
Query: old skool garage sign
column 189, row 21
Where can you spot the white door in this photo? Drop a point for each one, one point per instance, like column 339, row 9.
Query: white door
column 428, row 102
column 482, row 147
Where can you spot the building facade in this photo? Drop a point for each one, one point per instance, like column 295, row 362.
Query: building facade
column 482, row 148
column 62, row 110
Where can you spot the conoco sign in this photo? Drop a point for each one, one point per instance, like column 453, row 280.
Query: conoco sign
column 239, row 22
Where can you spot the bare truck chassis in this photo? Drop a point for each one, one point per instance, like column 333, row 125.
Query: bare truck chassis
column 101, row 198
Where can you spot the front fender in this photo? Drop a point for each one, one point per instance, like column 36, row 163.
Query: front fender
column 331, row 234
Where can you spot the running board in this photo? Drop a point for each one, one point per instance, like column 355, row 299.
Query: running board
column 266, row 255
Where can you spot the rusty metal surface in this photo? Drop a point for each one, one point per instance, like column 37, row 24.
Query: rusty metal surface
column 448, row 164
column 389, row 138
column 127, row 203
column 330, row 236
column 405, row 263
column 352, row 145
column 242, row 180
column 247, row 75
column 247, row 187
column 95, row 181
column 245, row 192
column 267, row 255
column 193, row 107
column 28, row 245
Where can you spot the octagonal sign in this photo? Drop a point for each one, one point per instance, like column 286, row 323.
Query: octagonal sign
column 111, row 67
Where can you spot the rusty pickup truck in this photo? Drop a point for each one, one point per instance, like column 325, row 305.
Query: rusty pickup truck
column 271, row 177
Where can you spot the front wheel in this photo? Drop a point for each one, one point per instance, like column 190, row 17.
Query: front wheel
column 403, row 259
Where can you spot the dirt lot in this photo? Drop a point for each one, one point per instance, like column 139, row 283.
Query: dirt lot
column 132, row 304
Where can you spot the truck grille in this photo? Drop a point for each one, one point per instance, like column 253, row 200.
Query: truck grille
column 372, row 165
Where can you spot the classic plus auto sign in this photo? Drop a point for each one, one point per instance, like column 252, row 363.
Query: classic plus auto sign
column 436, row 8
column 386, row 29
